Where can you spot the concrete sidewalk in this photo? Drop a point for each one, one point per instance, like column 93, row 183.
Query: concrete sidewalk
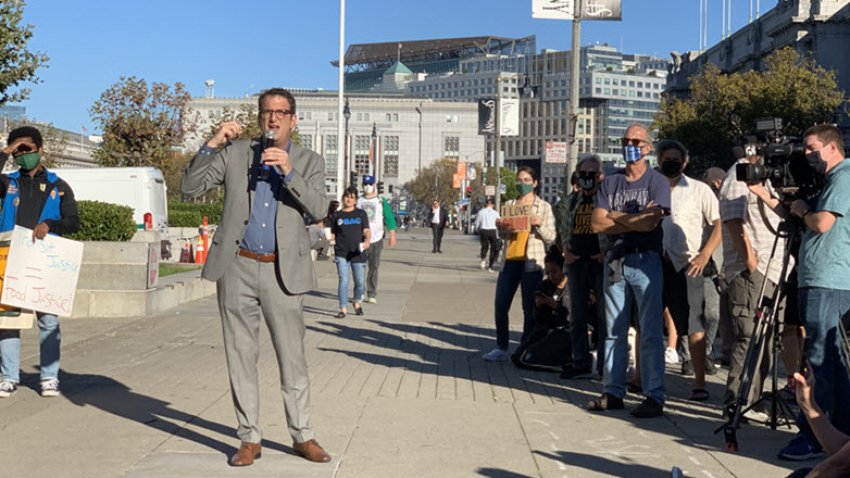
column 401, row 391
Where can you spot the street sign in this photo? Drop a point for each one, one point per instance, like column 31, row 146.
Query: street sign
column 502, row 188
column 470, row 173
column 490, row 190
column 565, row 9
column 556, row 152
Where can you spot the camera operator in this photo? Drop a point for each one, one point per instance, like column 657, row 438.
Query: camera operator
column 824, row 282
column 747, row 243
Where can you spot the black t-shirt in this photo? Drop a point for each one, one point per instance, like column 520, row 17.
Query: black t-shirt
column 349, row 227
column 584, row 242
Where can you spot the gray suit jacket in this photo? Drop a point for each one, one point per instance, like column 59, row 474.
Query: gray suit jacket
column 305, row 194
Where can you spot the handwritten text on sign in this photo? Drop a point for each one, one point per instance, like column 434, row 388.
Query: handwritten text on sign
column 42, row 275
column 517, row 218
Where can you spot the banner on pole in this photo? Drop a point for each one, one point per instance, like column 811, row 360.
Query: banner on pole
column 566, row 9
column 556, row 152
column 509, row 117
column 487, row 116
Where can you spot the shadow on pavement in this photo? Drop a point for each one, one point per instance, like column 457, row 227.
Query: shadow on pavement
column 114, row 397
column 497, row 473
column 604, row 465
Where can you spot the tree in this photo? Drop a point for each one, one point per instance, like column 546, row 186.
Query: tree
column 435, row 182
column 142, row 126
column 55, row 141
column 17, row 63
column 723, row 108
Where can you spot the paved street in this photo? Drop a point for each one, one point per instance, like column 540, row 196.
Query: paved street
column 401, row 392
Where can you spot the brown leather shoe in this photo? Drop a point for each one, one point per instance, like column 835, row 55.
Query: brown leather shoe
column 246, row 454
column 312, row 451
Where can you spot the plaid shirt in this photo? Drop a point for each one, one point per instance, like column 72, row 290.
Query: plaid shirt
column 737, row 202
column 539, row 238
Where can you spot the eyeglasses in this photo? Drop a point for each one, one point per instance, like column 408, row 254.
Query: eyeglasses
column 632, row 141
column 279, row 114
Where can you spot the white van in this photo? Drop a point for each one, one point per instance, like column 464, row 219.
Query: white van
column 143, row 189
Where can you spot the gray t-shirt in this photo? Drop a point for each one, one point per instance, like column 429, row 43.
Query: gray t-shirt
column 617, row 194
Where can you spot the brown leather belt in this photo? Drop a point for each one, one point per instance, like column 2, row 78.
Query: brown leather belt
column 271, row 257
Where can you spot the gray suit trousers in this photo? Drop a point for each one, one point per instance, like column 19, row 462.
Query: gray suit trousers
column 249, row 292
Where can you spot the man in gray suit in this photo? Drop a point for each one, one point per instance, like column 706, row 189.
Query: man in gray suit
column 260, row 260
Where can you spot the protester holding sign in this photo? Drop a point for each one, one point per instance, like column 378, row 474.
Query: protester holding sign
column 528, row 225
column 35, row 198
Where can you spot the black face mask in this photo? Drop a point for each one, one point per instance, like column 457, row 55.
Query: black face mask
column 587, row 180
column 671, row 169
column 817, row 163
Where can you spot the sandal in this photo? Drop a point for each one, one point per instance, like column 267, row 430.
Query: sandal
column 633, row 387
column 340, row 315
column 358, row 310
column 698, row 395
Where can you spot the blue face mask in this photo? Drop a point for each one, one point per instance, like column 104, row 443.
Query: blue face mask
column 631, row 153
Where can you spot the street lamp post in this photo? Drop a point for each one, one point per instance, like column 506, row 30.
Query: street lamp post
column 346, row 113
column 419, row 110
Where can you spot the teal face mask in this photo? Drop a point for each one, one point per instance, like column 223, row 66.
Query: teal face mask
column 28, row 161
column 523, row 189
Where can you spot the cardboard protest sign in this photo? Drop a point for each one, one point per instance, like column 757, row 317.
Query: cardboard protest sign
column 517, row 217
column 42, row 275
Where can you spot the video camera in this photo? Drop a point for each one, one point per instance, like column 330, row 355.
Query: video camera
column 784, row 161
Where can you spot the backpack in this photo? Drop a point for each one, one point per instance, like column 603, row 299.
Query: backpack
column 546, row 349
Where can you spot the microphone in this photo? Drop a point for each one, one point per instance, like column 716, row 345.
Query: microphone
column 268, row 142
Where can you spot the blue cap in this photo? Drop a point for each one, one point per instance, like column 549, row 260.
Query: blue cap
column 368, row 179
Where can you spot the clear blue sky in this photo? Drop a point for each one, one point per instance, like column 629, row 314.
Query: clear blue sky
column 250, row 45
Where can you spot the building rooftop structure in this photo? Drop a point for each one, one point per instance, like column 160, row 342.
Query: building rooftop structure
column 366, row 63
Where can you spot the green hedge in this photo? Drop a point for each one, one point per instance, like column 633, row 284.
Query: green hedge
column 102, row 221
column 188, row 214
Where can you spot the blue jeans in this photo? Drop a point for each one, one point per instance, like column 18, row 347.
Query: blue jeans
column 585, row 274
column 513, row 274
column 342, row 268
column 820, row 311
column 641, row 281
column 49, row 338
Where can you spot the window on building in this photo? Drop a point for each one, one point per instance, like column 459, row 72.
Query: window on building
column 451, row 146
column 391, row 156
column 306, row 141
column 361, row 153
column 331, row 155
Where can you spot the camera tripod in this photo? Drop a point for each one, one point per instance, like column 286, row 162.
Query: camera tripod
column 766, row 329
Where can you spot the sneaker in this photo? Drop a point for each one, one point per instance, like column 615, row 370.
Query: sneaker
column 753, row 415
column 648, row 408
column 710, row 368
column 687, row 368
column 491, row 270
column 483, row 264
column 572, row 372
column 671, row 356
column 50, row 388
column 373, row 300
column 800, row 448
column 7, row 388
column 496, row 355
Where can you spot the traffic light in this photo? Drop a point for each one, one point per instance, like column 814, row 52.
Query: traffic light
column 380, row 187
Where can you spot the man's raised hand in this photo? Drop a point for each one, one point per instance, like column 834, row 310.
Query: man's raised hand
column 228, row 130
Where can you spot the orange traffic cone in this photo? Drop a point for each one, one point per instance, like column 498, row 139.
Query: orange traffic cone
column 199, row 252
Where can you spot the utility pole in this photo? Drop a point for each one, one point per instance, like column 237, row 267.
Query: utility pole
column 572, row 117
column 498, row 146
column 340, row 160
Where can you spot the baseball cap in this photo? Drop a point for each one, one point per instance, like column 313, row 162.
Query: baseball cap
column 714, row 174
column 368, row 179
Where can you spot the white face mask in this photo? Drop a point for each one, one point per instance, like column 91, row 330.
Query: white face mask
column 368, row 188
